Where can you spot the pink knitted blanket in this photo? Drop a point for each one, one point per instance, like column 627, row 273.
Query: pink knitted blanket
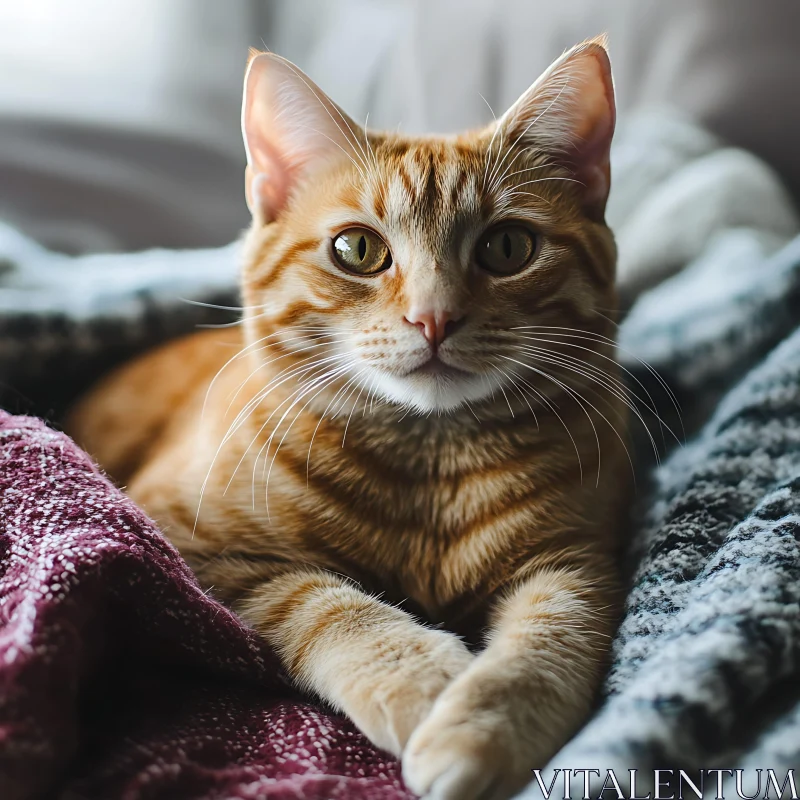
column 120, row 679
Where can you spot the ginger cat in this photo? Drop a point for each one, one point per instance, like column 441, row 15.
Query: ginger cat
column 416, row 438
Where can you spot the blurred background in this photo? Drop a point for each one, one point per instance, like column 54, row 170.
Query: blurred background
column 119, row 119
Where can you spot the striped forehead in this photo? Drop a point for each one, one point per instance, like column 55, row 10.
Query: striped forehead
column 433, row 183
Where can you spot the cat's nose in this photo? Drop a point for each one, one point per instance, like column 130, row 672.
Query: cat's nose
column 436, row 326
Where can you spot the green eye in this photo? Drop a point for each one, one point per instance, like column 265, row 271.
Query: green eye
column 506, row 249
column 361, row 251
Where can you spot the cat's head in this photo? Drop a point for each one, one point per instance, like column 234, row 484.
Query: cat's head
column 414, row 265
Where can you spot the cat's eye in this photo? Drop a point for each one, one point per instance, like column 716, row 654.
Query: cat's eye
column 506, row 249
column 361, row 251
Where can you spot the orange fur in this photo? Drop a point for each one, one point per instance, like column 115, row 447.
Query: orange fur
column 340, row 498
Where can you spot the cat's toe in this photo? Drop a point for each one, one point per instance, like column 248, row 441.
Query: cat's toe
column 450, row 757
column 465, row 780
column 453, row 772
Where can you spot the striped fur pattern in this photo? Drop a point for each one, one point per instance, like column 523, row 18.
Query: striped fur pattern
column 425, row 530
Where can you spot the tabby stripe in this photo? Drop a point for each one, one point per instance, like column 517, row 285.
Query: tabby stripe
column 430, row 194
column 532, row 500
column 354, row 605
column 285, row 259
column 458, row 188
column 407, row 183
column 379, row 201
column 279, row 613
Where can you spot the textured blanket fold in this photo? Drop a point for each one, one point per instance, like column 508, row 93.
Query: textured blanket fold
column 120, row 679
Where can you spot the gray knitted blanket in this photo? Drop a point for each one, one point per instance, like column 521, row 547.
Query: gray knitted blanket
column 706, row 664
column 706, row 668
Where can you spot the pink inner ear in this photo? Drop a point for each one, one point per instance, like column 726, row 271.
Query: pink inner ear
column 592, row 167
column 291, row 129
column 594, row 131
column 575, row 126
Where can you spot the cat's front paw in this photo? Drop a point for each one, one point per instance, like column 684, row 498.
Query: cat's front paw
column 473, row 746
column 389, row 697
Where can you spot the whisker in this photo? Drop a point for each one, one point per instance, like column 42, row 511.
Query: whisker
column 325, row 381
column 523, row 396
column 532, row 168
column 611, row 385
column 202, row 304
column 369, row 144
column 288, row 354
column 287, row 373
column 552, row 178
column 577, row 333
column 369, row 398
column 308, row 382
column 240, row 354
column 262, row 395
column 615, row 362
column 249, row 348
column 355, row 404
column 500, row 387
column 358, row 167
column 542, row 356
column 219, row 325
column 341, row 390
column 235, row 425
column 510, row 194
column 551, row 405
column 577, row 399
column 472, row 411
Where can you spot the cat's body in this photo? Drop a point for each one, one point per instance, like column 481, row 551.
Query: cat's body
column 366, row 446
column 438, row 513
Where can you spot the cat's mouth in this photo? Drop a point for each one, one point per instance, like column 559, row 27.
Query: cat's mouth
column 435, row 366
column 434, row 385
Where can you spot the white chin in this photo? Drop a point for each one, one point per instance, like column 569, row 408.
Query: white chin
column 426, row 392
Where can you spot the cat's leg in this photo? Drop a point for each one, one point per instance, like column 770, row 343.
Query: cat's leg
column 368, row 659
column 521, row 698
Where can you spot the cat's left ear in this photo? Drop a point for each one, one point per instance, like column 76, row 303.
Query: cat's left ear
column 570, row 114
column 291, row 129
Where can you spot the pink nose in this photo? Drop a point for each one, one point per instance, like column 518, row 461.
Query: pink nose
column 436, row 326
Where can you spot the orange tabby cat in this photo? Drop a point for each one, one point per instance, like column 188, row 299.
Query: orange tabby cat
column 416, row 437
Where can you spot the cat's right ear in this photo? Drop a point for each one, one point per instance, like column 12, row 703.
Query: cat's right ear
column 291, row 128
column 569, row 113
